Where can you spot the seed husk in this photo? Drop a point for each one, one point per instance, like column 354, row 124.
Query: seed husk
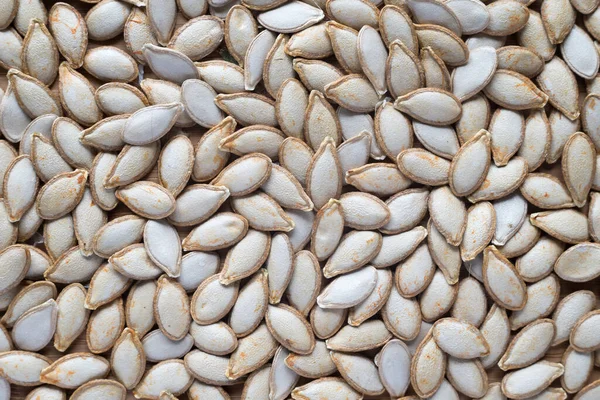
column 105, row 326
column 169, row 375
column 532, row 380
column 556, row 75
column 22, row 367
column 72, row 316
column 139, row 313
column 74, row 370
column 127, row 359
column 69, row 31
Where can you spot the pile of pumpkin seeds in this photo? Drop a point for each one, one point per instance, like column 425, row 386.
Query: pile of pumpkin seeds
column 318, row 200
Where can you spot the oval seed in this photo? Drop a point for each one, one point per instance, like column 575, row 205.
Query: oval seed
column 448, row 112
column 552, row 222
column 23, row 367
column 578, row 166
column 139, row 312
column 127, row 359
column 428, row 367
column 171, row 309
column 169, row 375
column 104, row 326
column 532, row 380
column 72, row 316
column 326, row 387
column 514, row 91
column 252, row 352
column 502, row 281
column 529, row 345
column 116, row 98
column 556, row 75
column 546, row 191
column 539, row 261
column 147, row 199
column 198, row 37
column 74, row 370
column 520, row 59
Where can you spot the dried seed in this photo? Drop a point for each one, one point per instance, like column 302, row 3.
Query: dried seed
column 72, row 316
column 529, row 345
column 42, row 125
column 217, row 339
column 127, row 359
column 589, row 391
column 449, row 334
column 314, row 365
column 204, row 309
column 546, row 191
column 160, row 117
column 104, row 327
column 115, row 13
column 32, row 95
column 120, row 98
column 343, row 42
column 428, row 367
column 69, row 31
column 240, row 28
column 430, row 12
column 198, row 99
column 139, row 312
column 511, row 213
column 532, row 380
column 582, row 336
column 138, row 32
column 501, row 181
column 312, row 43
column 538, row 262
column 562, row 128
column 578, row 52
column 209, row 159
column 520, row 59
column 514, row 91
column 169, row 375
column 147, row 199
column 475, row 116
column 438, row 297
column 358, row 371
column 196, row 362
column 553, row 223
column 74, row 370
column 305, row 283
column 45, row 158
column 133, row 261
column 27, row 298
column 248, row 108
column 198, row 37
column 502, row 281
column 110, row 64
column 278, row 19
column 105, row 286
column 108, row 389
column 325, row 387
column 171, row 308
column 316, row 74
column 556, row 78
column 39, row 56
column 162, row 17
column 578, row 368
column 35, row 327
column 449, row 109
column 353, row 13
column 445, row 43
column 578, row 166
column 451, row 218
column 10, row 56
column 13, row 120
column 471, row 78
column 52, row 200
column 22, row 367
column 506, row 18
column 47, row 392
column 253, row 351
column 415, row 272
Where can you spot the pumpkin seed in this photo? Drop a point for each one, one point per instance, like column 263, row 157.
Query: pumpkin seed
column 217, row 338
column 138, row 32
column 74, row 370
column 475, row 116
column 203, row 308
column 72, row 316
column 529, row 345
column 250, row 306
column 312, row 43
column 579, row 173
column 31, row 296
column 538, row 262
column 42, row 125
column 520, row 59
column 104, row 327
column 353, row 13
column 556, row 75
column 305, row 283
column 448, row 112
column 139, row 312
column 578, row 367
column 169, row 375
column 119, row 98
column 532, row 380
column 110, row 64
column 22, row 367
column 46, row 392
column 502, row 281
column 471, row 78
column 39, row 56
column 66, row 136
column 279, row 266
column 577, row 51
column 255, row 57
column 253, row 352
column 127, row 359
column 13, row 120
column 134, row 262
column 428, row 367
column 198, row 37
column 501, row 181
column 46, row 159
column 314, row 365
column 552, row 222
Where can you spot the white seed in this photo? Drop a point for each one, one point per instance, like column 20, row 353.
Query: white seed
column 501, row 181
column 539, row 261
column 253, row 352
column 291, row 17
column 305, row 283
column 169, row 375
column 105, row 286
column 502, row 282
column 104, row 327
column 128, row 360
column 138, row 32
column 120, row 98
column 75, row 369
column 532, row 380
column 23, row 367
column 205, row 310
column 471, row 78
column 546, row 191
column 514, row 91
column 554, row 78
column 475, row 116
column 353, row 13
column 428, row 367
column 222, row 76
column 198, row 37
column 529, row 345
column 578, row 166
column 240, row 28
column 250, row 306
column 520, row 59
column 314, row 365
column 139, row 312
column 217, row 338
column 59, row 236
column 162, row 17
column 316, row 74
column 413, row 104
column 110, row 64
column 248, row 108
column 169, row 64
column 72, row 316
column 312, row 43
column 553, row 223
column 290, row 329
column 147, row 199
column 578, row 52
column 132, row 163
column 358, row 371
